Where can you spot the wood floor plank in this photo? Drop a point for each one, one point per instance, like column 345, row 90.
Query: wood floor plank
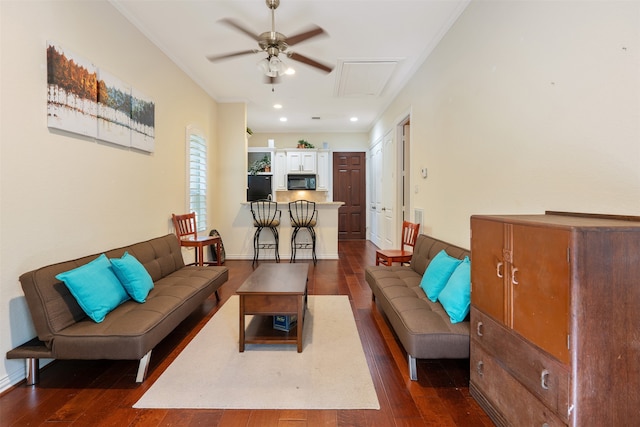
column 328, row 418
column 237, row 418
column 265, row 418
column 148, row 417
column 78, row 393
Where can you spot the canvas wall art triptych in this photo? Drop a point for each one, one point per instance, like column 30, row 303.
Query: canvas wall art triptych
column 87, row 100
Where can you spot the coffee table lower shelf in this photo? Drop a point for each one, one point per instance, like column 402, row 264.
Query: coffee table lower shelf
column 260, row 330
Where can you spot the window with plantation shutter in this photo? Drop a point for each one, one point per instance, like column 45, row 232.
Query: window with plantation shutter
column 198, row 178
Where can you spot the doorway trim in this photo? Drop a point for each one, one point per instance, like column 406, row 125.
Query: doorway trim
column 403, row 166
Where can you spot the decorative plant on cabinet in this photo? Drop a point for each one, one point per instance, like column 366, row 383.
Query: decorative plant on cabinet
column 261, row 165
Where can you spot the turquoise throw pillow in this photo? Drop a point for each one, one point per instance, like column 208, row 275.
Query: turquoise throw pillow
column 134, row 277
column 95, row 287
column 456, row 295
column 437, row 274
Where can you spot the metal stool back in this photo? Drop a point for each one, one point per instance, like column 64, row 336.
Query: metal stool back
column 303, row 214
column 265, row 215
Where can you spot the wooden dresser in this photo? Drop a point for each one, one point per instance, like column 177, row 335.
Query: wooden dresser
column 555, row 319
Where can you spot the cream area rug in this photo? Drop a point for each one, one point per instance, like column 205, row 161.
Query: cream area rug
column 330, row 373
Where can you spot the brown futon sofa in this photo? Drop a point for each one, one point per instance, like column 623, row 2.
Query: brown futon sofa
column 423, row 327
column 132, row 329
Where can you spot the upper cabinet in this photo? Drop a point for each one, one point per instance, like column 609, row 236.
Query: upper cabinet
column 301, row 161
column 322, row 178
column 280, row 171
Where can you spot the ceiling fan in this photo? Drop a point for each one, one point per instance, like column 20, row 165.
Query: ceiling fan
column 273, row 44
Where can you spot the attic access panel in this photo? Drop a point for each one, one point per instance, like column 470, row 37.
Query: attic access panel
column 364, row 77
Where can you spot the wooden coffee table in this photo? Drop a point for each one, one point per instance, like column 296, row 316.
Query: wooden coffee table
column 273, row 289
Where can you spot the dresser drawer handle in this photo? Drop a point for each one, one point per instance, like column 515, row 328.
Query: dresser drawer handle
column 499, row 270
column 479, row 329
column 480, row 368
column 544, row 377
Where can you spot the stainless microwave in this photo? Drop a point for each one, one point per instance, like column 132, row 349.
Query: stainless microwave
column 301, row 182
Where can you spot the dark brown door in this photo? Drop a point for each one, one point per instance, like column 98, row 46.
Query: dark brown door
column 349, row 186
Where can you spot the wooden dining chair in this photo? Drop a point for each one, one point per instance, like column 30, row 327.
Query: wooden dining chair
column 187, row 232
column 409, row 237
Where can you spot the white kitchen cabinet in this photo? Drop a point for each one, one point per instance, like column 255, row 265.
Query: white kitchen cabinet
column 301, row 161
column 323, row 174
column 280, row 171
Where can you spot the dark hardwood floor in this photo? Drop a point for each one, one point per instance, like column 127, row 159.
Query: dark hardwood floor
column 101, row 393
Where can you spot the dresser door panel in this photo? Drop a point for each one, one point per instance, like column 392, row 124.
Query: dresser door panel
column 487, row 267
column 540, row 280
column 515, row 403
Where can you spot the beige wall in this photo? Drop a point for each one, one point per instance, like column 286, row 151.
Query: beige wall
column 63, row 196
column 524, row 107
column 232, row 218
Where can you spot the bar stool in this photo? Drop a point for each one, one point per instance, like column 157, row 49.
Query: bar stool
column 303, row 214
column 265, row 215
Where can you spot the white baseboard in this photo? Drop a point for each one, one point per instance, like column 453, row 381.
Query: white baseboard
column 13, row 378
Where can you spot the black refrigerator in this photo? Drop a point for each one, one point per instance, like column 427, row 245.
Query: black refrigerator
column 259, row 187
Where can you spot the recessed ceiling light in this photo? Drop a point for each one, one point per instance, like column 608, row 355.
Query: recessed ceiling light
column 354, row 119
column 277, row 106
column 283, row 119
column 290, row 71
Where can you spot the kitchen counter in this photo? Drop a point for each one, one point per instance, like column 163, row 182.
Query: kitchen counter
column 326, row 233
column 285, row 205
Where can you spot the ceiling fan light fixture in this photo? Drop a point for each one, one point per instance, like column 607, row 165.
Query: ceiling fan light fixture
column 263, row 66
column 272, row 67
column 277, row 66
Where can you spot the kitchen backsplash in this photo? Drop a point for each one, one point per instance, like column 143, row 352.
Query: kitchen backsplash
column 312, row 196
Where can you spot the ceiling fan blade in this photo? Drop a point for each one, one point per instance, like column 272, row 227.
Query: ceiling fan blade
column 297, row 38
column 309, row 61
column 214, row 58
column 240, row 27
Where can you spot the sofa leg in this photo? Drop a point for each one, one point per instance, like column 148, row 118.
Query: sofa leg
column 413, row 369
column 143, row 367
column 32, row 369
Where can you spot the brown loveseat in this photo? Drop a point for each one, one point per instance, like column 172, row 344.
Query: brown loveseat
column 423, row 327
column 130, row 331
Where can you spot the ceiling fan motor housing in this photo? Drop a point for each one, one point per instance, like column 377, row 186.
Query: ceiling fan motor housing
column 273, row 42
